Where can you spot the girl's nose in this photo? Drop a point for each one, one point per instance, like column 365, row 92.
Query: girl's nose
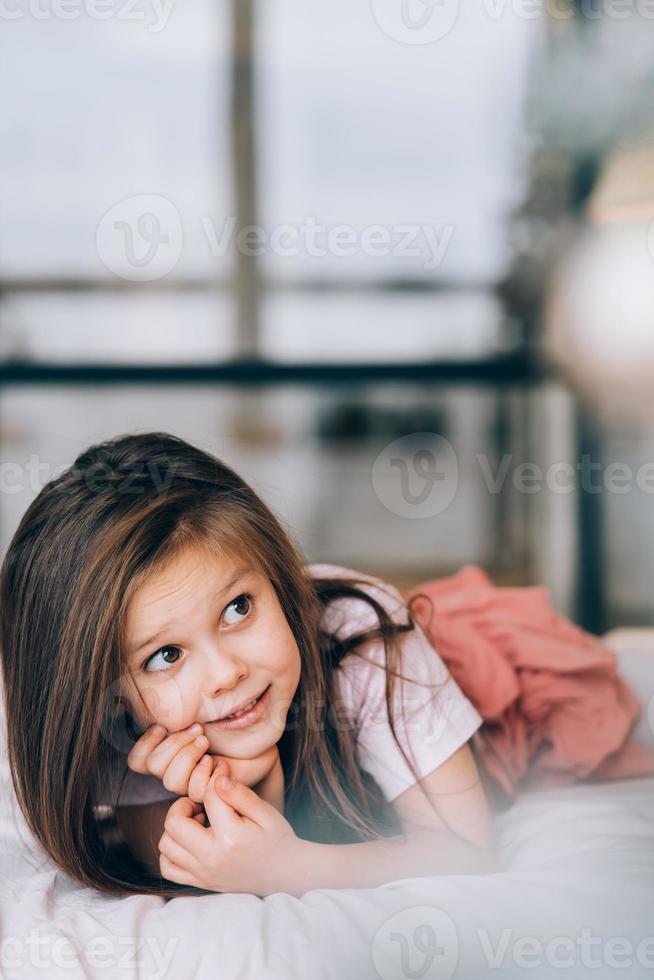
column 224, row 673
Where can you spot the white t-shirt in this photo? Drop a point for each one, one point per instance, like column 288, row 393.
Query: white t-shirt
column 433, row 717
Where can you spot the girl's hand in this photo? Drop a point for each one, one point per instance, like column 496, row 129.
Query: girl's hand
column 185, row 769
column 178, row 760
column 248, row 846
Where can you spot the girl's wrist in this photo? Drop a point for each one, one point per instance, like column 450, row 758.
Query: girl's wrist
column 301, row 867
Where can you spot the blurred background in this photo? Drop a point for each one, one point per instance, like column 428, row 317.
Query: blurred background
column 393, row 261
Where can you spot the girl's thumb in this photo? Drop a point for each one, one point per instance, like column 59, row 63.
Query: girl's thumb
column 243, row 799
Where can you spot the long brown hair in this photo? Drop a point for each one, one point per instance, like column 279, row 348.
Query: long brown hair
column 91, row 537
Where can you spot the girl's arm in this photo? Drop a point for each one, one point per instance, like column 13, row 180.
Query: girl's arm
column 457, row 792
column 418, row 854
column 428, row 846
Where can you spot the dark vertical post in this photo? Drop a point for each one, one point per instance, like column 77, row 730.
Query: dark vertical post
column 590, row 605
column 501, row 443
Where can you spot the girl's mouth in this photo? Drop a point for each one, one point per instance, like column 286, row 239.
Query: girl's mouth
column 247, row 717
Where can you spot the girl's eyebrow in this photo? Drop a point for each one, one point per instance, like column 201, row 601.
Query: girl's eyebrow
column 241, row 572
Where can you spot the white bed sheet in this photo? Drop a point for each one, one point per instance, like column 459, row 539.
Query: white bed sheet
column 575, row 899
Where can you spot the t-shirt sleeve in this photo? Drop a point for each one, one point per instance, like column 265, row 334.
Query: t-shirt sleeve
column 432, row 716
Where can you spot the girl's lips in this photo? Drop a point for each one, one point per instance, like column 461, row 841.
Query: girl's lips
column 248, row 717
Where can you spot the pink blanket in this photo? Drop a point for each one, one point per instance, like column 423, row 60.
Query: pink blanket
column 555, row 709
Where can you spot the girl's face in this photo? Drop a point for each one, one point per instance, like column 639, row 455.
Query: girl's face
column 205, row 636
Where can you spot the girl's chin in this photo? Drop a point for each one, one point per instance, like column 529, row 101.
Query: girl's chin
column 241, row 745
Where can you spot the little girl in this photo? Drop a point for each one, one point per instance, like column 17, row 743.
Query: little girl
column 160, row 632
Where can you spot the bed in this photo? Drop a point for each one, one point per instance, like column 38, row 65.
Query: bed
column 574, row 897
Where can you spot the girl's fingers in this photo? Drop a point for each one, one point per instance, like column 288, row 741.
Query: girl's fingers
column 221, row 815
column 199, row 778
column 172, row 872
column 183, row 807
column 136, row 760
column 175, row 852
column 244, row 802
column 178, row 773
column 184, row 830
column 162, row 756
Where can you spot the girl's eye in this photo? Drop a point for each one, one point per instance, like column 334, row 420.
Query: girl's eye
column 146, row 664
column 243, row 604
